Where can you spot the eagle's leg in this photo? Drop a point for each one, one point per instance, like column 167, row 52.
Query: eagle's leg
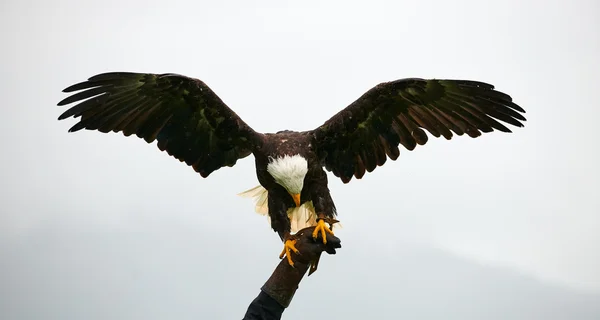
column 289, row 244
column 322, row 227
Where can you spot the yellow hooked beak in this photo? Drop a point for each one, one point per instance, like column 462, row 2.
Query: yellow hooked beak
column 296, row 197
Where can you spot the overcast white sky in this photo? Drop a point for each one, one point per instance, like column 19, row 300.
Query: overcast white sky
column 528, row 201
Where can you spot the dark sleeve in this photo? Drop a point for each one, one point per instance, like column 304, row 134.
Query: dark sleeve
column 277, row 293
column 263, row 307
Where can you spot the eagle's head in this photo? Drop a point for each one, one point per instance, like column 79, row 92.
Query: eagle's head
column 289, row 172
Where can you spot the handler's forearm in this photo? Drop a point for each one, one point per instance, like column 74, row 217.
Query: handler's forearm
column 277, row 293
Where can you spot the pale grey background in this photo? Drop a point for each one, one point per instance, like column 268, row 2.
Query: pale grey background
column 97, row 226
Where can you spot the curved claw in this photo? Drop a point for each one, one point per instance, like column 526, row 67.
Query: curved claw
column 289, row 245
column 323, row 228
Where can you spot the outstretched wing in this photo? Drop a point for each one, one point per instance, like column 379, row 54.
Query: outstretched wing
column 188, row 120
column 362, row 136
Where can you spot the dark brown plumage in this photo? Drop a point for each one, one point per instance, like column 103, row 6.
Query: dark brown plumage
column 358, row 138
column 191, row 123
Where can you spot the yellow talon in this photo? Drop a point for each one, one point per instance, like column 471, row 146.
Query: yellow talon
column 322, row 227
column 290, row 245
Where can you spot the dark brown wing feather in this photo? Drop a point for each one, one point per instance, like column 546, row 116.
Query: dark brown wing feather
column 188, row 120
column 361, row 137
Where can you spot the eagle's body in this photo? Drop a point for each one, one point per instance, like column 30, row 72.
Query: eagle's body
column 191, row 123
column 287, row 158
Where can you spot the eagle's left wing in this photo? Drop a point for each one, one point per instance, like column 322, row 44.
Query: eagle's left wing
column 361, row 137
column 188, row 120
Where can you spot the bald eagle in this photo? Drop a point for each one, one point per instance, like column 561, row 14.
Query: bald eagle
column 191, row 123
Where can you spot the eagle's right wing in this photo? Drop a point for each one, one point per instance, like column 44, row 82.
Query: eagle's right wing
column 188, row 120
column 361, row 137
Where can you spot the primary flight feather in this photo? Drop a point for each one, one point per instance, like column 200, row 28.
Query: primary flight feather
column 191, row 123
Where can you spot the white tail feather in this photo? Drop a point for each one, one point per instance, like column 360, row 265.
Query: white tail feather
column 261, row 196
column 300, row 217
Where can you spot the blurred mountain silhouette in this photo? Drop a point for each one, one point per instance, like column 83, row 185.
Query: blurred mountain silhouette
column 170, row 271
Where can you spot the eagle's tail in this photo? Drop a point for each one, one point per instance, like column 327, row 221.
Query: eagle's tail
column 261, row 196
column 300, row 217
